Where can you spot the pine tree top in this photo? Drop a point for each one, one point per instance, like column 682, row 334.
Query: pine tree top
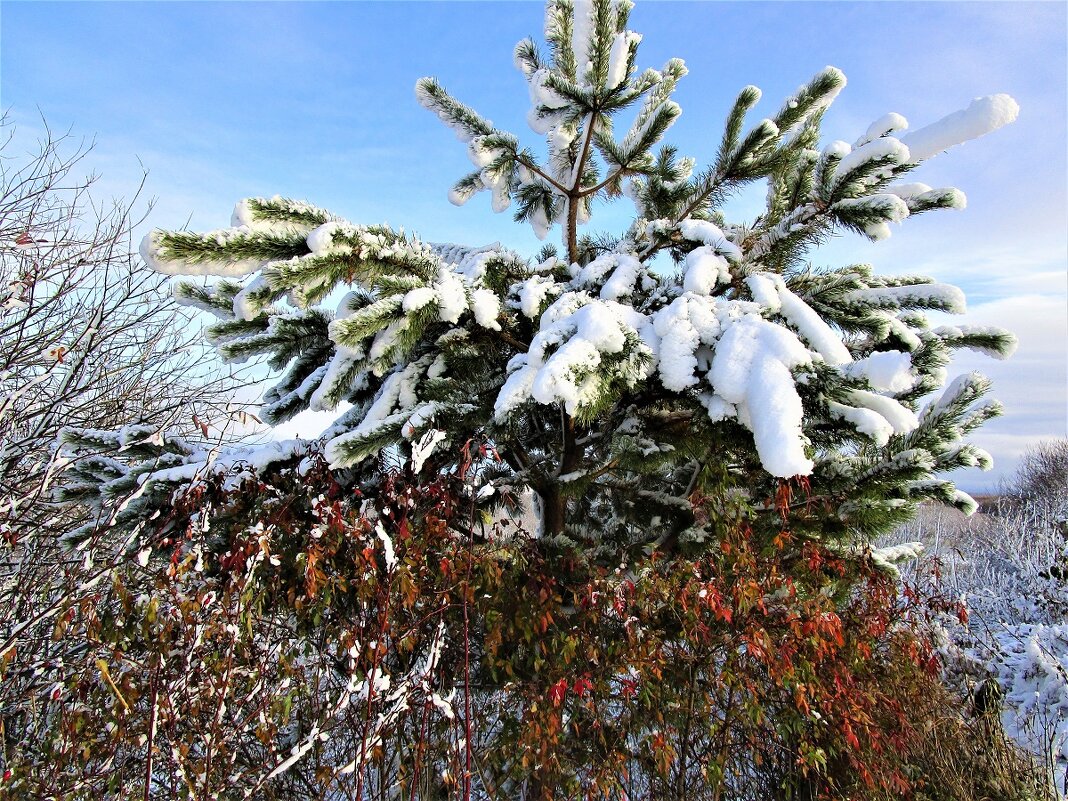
column 610, row 385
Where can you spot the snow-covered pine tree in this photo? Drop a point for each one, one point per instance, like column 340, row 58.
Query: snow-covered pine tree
column 614, row 383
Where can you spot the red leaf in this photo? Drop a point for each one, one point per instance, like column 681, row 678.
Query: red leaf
column 557, row 692
column 582, row 686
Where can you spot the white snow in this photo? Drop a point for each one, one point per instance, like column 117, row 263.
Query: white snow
column 812, row 327
column 336, row 369
column 710, row 234
column 594, row 272
column 386, row 339
column 945, row 296
column 908, row 191
column 532, row 294
column 452, row 300
column 886, row 559
column 886, row 124
column 901, row 419
column 624, row 277
column 581, row 31
column 838, row 149
column 866, row 421
column 480, row 154
column 764, row 291
column 678, row 344
column 458, row 196
column 985, row 114
column 424, row 447
column 775, row 416
column 582, row 330
column 705, row 270
column 516, row 389
column 955, row 331
column 486, row 306
column 886, row 147
column 151, row 246
column 387, row 547
column 542, row 95
column 243, row 215
column 752, row 370
column 244, row 308
column 886, row 371
column 417, row 298
column 618, row 57
column 321, row 240
column 539, row 221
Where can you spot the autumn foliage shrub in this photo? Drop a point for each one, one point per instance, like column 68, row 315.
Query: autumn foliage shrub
column 304, row 636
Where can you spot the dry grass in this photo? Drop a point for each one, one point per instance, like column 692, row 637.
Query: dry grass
column 958, row 756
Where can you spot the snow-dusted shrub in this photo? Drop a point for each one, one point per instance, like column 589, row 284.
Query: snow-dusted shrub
column 1010, row 566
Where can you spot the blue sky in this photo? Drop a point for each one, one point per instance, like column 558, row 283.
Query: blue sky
column 221, row 101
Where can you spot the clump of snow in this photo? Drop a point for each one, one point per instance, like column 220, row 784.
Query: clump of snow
column 581, row 32
column 542, row 95
column 710, row 234
column 540, row 222
column 764, row 291
column 245, row 215
column 813, row 328
column 245, row 308
column 452, row 300
column 705, row 270
column 564, row 361
column 901, row 419
column 417, row 298
column 887, row 559
column 387, row 547
column 886, row 147
column 623, row 279
column 752, row 370
column 770, row 291
column 486, row 306
column 985, row 114
column 619, row 56
column 886, row 124
column 945, row 297
column 838, row 149
column 460, row 195
column 321, row 240
column 680, row 338
column 887, row 371
column 865, row 421
column 908, row 191
column 533, row 292
column 959, row 331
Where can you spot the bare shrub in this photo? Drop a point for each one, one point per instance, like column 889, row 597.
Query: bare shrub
column 89, row 338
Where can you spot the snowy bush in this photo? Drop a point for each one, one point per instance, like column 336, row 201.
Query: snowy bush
column 1010, row 566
